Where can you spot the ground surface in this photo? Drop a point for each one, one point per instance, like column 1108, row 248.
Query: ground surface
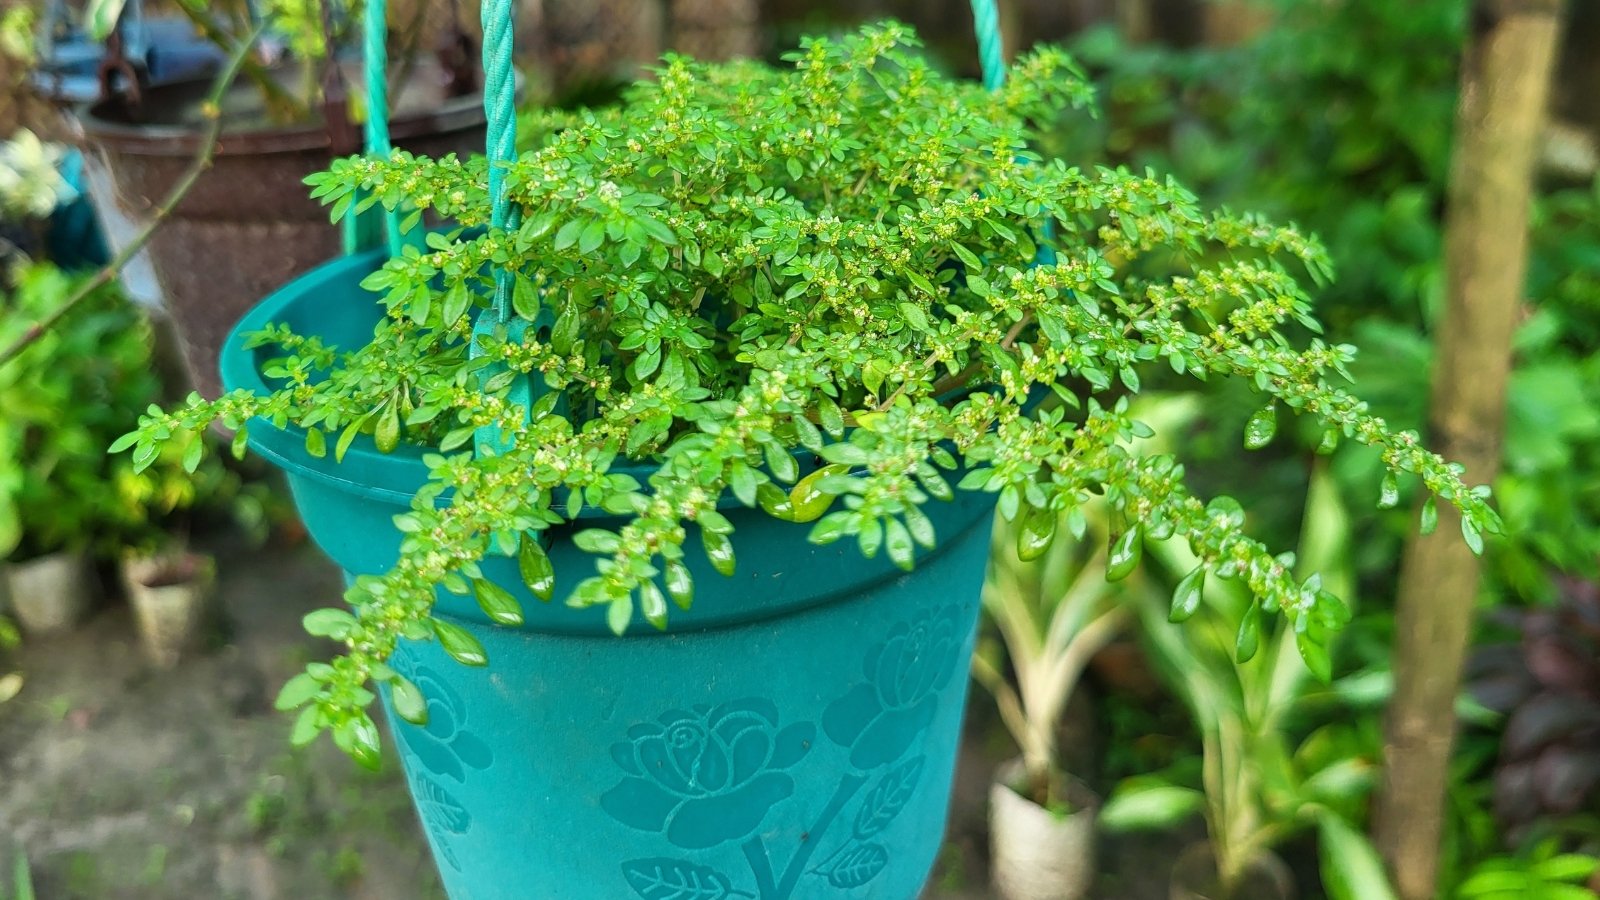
column 120, row 781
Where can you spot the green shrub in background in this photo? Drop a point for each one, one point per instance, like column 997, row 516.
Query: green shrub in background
column 1339, row 118
column 65, row 399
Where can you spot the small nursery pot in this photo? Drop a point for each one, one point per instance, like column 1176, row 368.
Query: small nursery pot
column 1194, row 877
column 792, row 735
column 171, row 599
column 1036, row 854
column 51, row 593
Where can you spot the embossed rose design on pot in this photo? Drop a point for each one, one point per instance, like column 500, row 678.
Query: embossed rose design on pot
column 708, row 775
column 443, row 745
column 881, row 717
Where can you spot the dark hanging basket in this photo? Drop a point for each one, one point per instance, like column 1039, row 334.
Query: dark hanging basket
column 248, row 225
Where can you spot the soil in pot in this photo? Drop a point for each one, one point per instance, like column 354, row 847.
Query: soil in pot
column 248, row 225
column 51, row 593
column 171, row 598
column 1195, row 877
column 1040, row 853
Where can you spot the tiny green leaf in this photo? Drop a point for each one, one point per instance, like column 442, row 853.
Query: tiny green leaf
column 897, row 540
column 775, row 501
column 329, row 623
column 1248, row 640
column 1389, row 492
column 1474, row 538
column 807, row 499
column 358, row 736
column 307, row 725
column 653, row 605
column 719, row 550
column 409, row 704
column 1123, row 557
column 1035, row 533
column 1262, row 426
column 1314, row 650
column 497, row 603
column 680, row 584
column 459, row 643
column 192, row 454
column 1430, row 516
column 387, row 433
column 619, row 613
column 1188, row 595
column 297, row 692
column 534, row 564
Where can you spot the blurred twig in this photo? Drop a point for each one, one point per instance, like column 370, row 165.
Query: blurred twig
column 212, row 111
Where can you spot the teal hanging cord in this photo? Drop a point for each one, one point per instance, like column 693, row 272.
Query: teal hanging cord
column 992, row 58
column 500, row 108
column 991, row 45
column 375, row 55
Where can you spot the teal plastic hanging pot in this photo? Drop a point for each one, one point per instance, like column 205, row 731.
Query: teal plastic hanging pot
column 792, row 735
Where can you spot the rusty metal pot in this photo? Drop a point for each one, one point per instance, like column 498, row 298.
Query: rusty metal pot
column 248, row 225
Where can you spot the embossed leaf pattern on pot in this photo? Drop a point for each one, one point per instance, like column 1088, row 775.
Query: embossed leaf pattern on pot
column 880, row 718
column 676, row 879
column 857, row 866
column 443, row 745
column 708, row 775
column 442, row 815
column 888, row 797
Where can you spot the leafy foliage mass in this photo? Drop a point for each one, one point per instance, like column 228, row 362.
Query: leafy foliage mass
column 851, row 259
column 64, row 398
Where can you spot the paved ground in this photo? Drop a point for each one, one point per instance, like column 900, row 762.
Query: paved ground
column 119, row 781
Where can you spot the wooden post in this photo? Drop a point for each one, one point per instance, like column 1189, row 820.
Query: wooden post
column 1505, row 81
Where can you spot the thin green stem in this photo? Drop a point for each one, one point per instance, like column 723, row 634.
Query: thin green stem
column 281, row 104
column 797, row 866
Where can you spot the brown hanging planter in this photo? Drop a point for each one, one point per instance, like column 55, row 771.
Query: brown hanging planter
column 248, row 225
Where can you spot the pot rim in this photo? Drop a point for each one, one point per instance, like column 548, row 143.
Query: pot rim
column 392, row 479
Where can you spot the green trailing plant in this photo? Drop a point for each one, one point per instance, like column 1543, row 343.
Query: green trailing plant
column 743, row 271
column 1264, row 774
column 1053, row 610
column 1340, row 117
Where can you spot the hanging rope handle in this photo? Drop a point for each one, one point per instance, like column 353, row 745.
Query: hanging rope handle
column 375, row 58
column 991, row 43
column 500, row 109
column 375, row 54
column 992, row 58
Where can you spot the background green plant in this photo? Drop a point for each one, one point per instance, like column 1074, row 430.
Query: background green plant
column 65, row 398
